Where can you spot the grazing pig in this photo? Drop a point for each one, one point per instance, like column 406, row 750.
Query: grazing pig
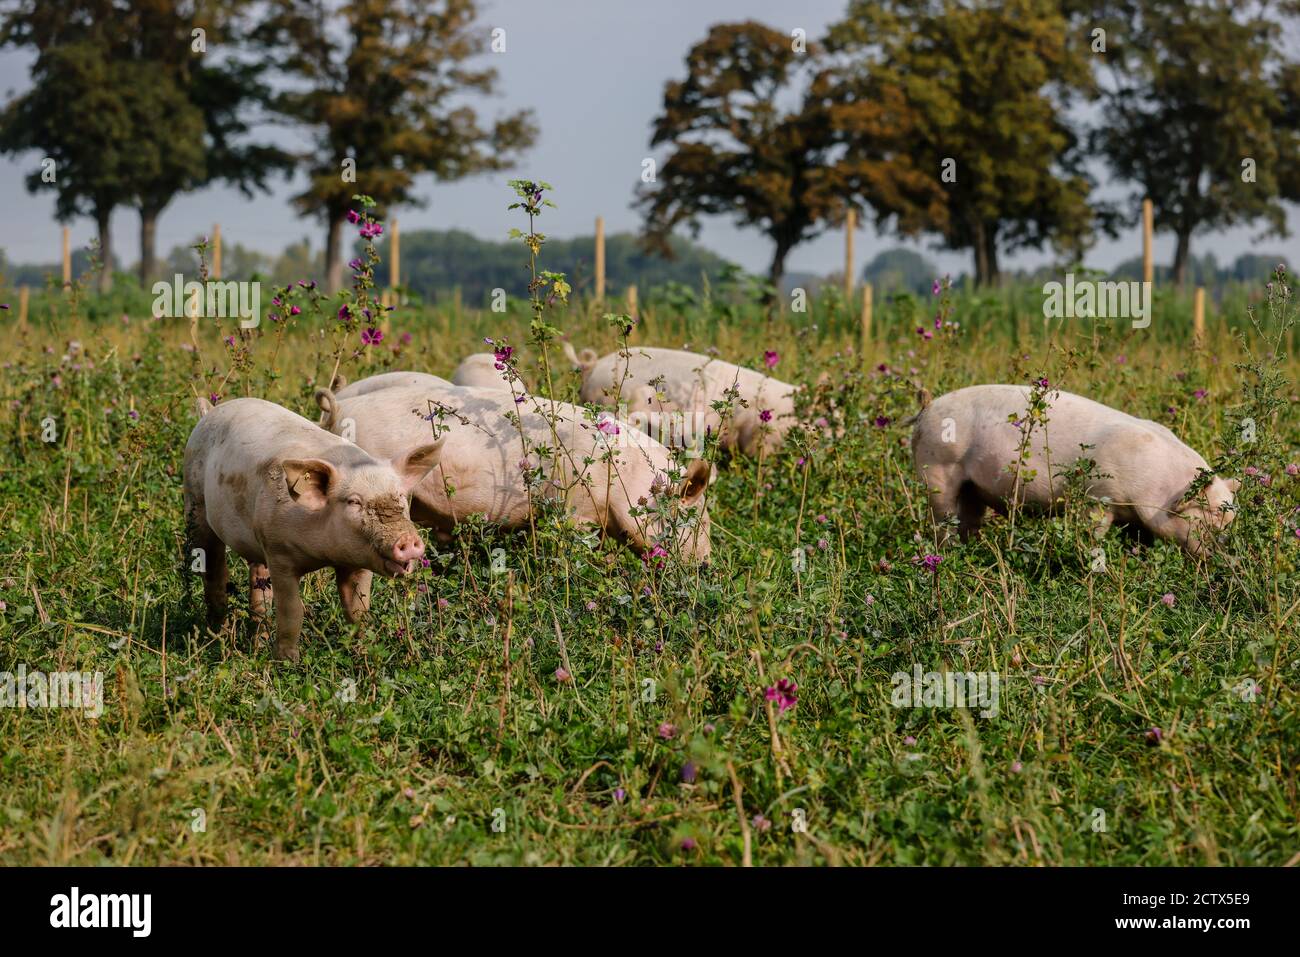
column 694, row 383
column 602, row 470
column 290, row 498
column 965, row 445
column 480, row 371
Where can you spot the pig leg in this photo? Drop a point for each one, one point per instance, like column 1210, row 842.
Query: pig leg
column 951, row 496
column 354, row 591
column 259, row 590
column 288, row 613
column 970, row 510
column 215, row 574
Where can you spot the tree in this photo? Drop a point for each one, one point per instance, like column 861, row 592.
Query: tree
column 1200, row 114
column 900, row 269
column 737, row 151
column 982, row 86
column 78, row 116
column 380, row 82
column 195, row 110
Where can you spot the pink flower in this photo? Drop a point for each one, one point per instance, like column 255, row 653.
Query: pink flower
column 354, row 217
column 607, row 424
column 372, row 336
column 562, row 676
column 771, row 358
column 765, row 415
column 1293, row 470
column 667, row 731
column 929, row 562
column 443, row 604
column 1201, row 393
column 784, row 694
column 1168, row 599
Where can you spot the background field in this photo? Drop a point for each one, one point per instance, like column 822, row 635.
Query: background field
column 450, row 723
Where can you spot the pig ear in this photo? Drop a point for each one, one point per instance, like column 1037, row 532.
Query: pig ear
column 412, row 467
column 698, row 475
column 308, row 480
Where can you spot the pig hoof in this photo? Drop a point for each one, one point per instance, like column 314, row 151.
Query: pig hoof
column 284, row 652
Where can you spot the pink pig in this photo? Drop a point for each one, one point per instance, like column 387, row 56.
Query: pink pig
column 290, row 498
column 965, row 445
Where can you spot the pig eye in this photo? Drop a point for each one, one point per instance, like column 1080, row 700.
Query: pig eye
column 354, row 501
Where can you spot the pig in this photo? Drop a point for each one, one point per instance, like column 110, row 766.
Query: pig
column 487, row 469
column 480, row 370
column 963, row 443
column 384, row 380
column 291, row 498
column 693, row 383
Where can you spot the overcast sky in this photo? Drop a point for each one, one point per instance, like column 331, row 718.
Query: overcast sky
column 593, row 72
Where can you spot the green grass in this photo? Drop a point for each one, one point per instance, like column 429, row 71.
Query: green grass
column 398, row 743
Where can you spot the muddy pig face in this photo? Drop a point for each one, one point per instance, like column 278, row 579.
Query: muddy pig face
column 361, row 514
column 1210, row 512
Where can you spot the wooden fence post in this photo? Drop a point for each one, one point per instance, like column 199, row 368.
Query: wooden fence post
column 866, row 320
column 395, row 253
column 600, row 258
column 1148, row 226
column 850, row 223
column 1198, row 316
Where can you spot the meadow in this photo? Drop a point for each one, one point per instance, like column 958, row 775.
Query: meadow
column 590, row 708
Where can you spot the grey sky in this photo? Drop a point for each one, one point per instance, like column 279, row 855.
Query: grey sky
column 593, row 72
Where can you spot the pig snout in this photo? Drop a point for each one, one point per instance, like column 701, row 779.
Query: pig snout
column 407, row 550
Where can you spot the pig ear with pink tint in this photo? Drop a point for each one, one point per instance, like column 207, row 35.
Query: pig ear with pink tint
column 417, row 463
column 698, row 475
column 308, row 480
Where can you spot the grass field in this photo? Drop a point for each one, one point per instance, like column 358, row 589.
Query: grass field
column 1148, row 707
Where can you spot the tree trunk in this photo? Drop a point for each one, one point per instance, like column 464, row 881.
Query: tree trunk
column 148, row 235
column 981, row 256
column 102, row 217
column 986, row 256
column 1182, row 253
column 991, row 257
column 333, row 258
column 776, row 271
